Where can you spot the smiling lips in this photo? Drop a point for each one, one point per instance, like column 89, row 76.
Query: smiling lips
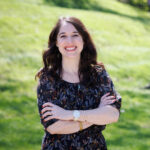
column 70, row 49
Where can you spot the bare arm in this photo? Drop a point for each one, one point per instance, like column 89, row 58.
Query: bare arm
column 100, row 116
column 104, row 114
column 66, row 127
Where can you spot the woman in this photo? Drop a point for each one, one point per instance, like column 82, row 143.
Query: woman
column 76, row 97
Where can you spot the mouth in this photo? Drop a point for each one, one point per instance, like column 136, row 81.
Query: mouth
column 70, row 49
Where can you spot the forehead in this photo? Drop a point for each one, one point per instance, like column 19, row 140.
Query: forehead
column 67, row 27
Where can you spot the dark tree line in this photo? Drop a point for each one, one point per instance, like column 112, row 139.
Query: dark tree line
column 143, row 4
column 81, row 4
column 91, row 4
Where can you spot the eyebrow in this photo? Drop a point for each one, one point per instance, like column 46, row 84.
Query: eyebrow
column 65, row 32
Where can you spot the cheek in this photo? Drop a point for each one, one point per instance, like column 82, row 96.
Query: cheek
column 60, row 43
column 80, row 41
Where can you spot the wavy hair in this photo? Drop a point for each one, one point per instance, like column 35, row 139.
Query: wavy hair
column 52, row 58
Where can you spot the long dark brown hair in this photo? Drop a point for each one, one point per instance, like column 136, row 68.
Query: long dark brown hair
column 52, row 58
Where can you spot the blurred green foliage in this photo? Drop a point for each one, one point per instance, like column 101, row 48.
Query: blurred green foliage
column 143, row 4
column 94, row 4
column 81, row 4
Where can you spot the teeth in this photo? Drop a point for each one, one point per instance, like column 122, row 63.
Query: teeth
column 70, row 48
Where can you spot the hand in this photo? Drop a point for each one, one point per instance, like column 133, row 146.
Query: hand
column 51, row 111
column 106, row 100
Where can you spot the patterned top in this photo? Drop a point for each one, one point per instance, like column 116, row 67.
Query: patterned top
column 75, row 96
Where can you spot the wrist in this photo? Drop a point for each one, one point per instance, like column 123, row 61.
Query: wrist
column 76, row 115
column 69, row 115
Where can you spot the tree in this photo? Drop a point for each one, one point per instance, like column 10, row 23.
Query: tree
column 148, row 5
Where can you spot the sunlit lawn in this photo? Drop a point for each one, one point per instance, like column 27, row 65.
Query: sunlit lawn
column 121, row 34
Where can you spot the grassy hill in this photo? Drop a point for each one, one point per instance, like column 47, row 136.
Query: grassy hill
column 121, row 34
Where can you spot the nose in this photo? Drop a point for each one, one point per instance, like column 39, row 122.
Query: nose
column 69, row 40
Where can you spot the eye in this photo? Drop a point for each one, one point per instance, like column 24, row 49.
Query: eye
column 75, row 35
column 63, row 36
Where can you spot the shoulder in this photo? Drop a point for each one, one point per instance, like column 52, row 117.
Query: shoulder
column 100, row 70
column 102, row 75
column 45, row 78
column 99, row 67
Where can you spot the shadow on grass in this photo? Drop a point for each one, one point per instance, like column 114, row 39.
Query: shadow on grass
column 12, row 85
column 134, row 94
column 133, row 125
column 9, row 87
column 128, row 133
column 94, row 7
column 16, row 96
column 130, row 140
column 144, row 20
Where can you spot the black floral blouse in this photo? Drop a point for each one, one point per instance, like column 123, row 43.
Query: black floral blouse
column 74, row 96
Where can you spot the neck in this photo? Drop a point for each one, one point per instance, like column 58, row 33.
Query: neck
column 70, row 65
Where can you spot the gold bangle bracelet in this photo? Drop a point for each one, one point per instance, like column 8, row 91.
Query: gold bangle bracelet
column 81, row 126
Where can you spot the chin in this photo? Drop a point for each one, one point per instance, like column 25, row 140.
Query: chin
column 72, row 55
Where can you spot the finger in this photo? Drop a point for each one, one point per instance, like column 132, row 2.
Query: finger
column 109, row 102
column 108, row 98
column 46, row 109
column 115, row 100
column 48, row 118
column 105, row 95
column 48, row 104
column 47, row 114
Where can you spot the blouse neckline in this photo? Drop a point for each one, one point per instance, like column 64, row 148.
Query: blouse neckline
column 62, row 80
column 75, row 83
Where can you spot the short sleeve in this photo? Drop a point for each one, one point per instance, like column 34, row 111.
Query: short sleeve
column 108, row 86
column 43, row 96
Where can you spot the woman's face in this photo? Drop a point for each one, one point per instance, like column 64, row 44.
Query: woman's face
column 69, row 41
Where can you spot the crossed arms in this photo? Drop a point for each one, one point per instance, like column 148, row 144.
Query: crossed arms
column 102, row 116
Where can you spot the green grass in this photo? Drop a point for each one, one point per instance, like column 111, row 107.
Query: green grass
column 121, row 34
